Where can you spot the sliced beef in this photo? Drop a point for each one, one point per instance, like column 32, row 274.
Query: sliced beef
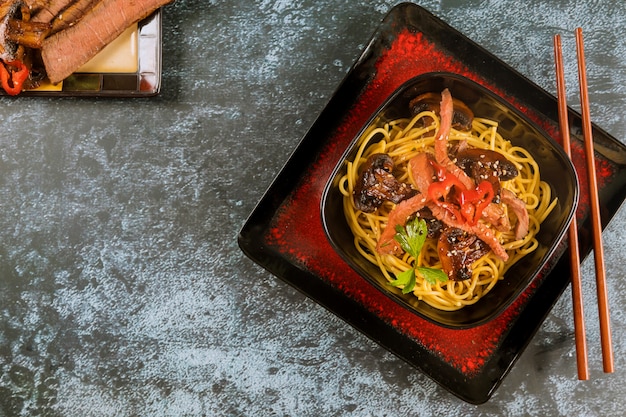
column 67, row 50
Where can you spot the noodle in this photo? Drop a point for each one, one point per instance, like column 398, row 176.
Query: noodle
column 402, row 139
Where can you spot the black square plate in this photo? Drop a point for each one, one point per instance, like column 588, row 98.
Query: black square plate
column 285, row 234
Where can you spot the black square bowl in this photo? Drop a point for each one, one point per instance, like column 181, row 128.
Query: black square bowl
column 555, row 168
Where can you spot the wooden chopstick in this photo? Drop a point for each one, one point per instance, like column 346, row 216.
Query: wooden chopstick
column 577, row 297
column 603, row 306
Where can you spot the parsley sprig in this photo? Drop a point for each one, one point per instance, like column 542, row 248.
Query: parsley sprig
column 411, row 238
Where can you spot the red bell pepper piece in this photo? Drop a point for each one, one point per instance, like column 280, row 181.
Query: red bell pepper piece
column 13, row 80
column 473, row 202
column 467, row 205
column 438, row 191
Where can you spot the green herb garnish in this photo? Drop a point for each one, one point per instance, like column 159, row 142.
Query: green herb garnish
column 432, row 275
column 407, row 279
column 411, row 238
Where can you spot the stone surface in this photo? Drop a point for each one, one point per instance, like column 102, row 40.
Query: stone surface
column 122, row 289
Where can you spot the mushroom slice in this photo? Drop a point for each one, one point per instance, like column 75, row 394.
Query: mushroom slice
column 458, row 250
column 377, row 184
column 486, row 165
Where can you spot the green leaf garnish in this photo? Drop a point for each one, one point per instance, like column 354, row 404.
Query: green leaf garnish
column 411, row 238
column 432, row 275
column 406, row 278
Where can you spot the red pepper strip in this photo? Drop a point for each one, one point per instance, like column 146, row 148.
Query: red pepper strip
column 12, row 81
column 438, row 191
column 471, row 202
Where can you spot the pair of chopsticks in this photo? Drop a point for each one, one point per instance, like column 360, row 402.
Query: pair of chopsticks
column 579, row 325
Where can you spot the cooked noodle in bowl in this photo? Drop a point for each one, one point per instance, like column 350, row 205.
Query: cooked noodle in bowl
column 449, row 200
column 407, row 138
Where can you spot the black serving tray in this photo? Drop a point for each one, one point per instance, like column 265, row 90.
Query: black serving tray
column 285, row 235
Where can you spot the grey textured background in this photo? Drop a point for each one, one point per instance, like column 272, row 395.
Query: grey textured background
column 122, row 289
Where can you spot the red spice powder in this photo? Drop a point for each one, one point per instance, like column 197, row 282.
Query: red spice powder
column 297, row 230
